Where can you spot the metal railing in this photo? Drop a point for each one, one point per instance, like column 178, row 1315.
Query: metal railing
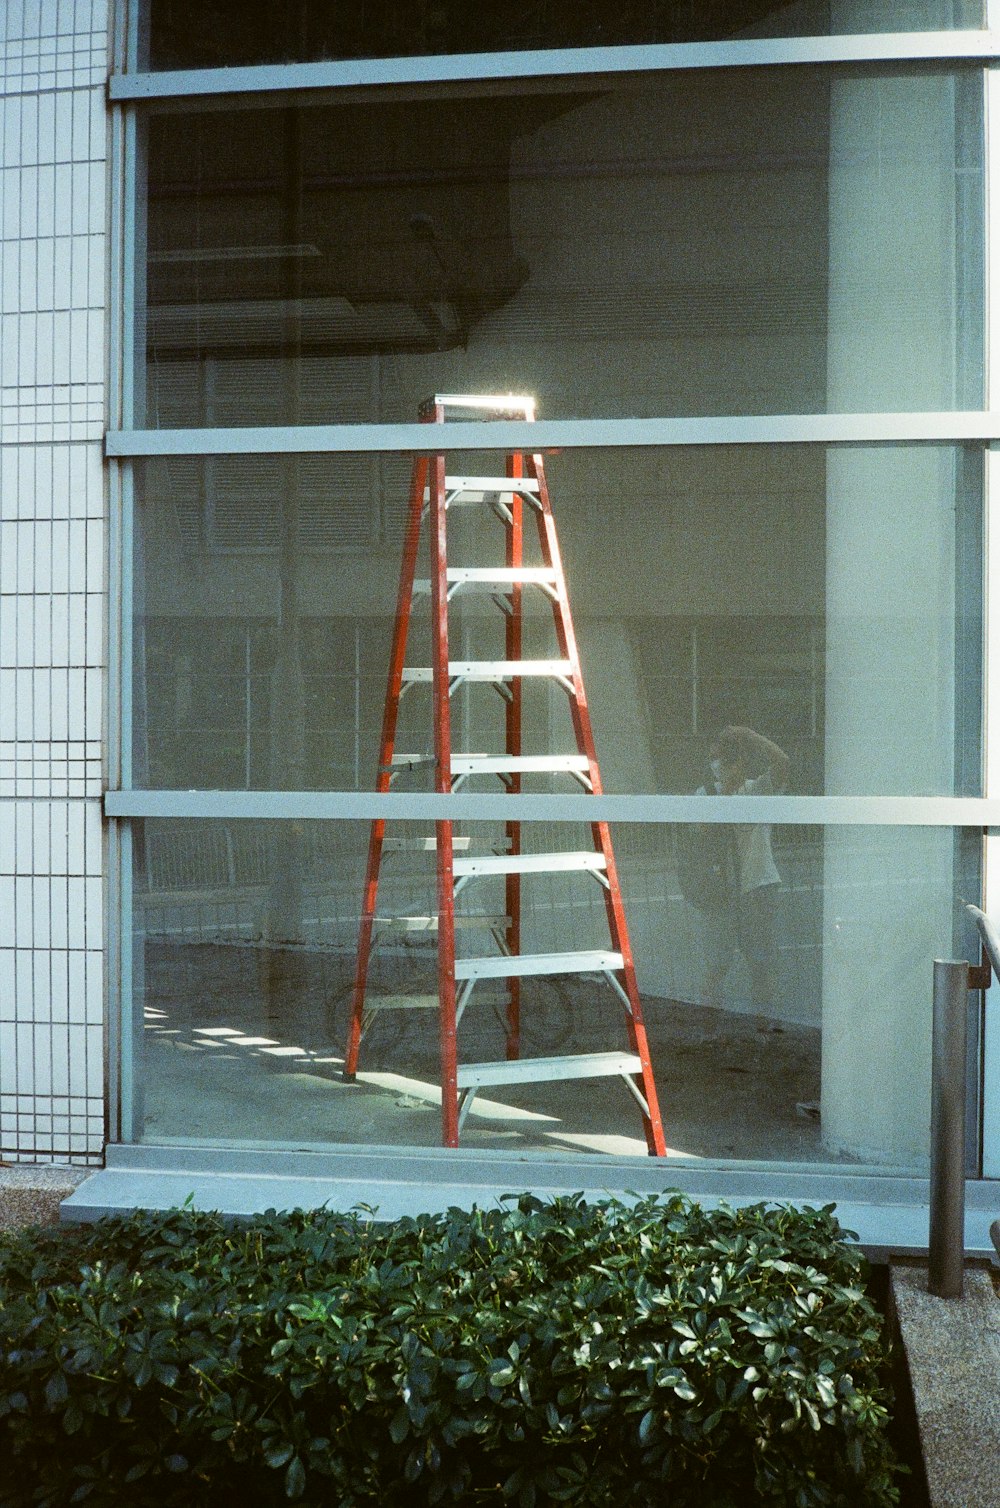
column 953, row 979
column 990, row 938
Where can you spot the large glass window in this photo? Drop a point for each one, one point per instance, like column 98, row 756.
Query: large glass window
column 701, row 242
column 745, row 241
column 829, row 598
column 214, row 33
column 794, row 1027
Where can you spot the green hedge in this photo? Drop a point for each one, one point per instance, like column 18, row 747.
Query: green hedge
column 571, row 1352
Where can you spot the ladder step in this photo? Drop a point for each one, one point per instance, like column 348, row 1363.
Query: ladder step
column 529, row 863
column 590, row 1065
column 476, row 489
column 490, row 670
column 497, row 403
column 424, row 1002
column 511, row 966
column 420, row 845
column 463, row 919
column 503, row 764
column 486, row 579
column 402, row 1002
column 408, row 761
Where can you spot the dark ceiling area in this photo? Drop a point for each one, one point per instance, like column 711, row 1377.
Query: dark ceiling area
column 350, row 226
column 234, row 33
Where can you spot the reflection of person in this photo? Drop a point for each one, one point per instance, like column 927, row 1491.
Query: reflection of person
column 748, row 927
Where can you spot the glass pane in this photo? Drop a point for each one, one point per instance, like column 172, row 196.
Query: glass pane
column 829, row 600
column 788, row 1021
column 198, row 34
column 776, row 240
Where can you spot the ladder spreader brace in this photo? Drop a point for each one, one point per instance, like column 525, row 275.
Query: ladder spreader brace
column 432, row 494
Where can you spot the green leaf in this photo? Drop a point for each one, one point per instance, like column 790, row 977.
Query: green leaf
column 399, row 1426
column 73, row 1418
column 295, row 1479
column 277, row 1456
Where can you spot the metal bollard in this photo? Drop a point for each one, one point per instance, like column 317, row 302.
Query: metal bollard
column 947, row 1216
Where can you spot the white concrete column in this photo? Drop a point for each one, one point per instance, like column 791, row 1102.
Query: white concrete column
column 53, row 547
column 890, row 574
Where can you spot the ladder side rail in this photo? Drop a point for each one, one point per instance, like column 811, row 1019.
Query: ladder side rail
column 514, row 647
column 387, row 741
column 601, row 834
column 565, row 634
column 442, row 784
column 636, row 1026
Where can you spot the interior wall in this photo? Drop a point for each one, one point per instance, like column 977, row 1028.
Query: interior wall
column 891, row 611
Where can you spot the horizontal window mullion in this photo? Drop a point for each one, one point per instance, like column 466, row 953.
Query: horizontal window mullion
column 793, row 811
column 352, row 73
column 948, row 427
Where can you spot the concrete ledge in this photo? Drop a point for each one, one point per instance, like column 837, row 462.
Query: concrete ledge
column 31, row 1193
column 953, row 1351
column 890, row 1214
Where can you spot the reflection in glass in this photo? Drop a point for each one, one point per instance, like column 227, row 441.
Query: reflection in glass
column 835, row 1066
column 831, row 600
column 191, row 34
column 777, row 240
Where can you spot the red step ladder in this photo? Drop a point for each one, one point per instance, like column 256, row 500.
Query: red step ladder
column 520, row 491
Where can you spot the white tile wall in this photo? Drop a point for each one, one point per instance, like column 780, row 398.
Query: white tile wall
column 53, row 321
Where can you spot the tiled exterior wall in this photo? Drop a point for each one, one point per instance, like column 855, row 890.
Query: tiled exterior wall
column 53, row 321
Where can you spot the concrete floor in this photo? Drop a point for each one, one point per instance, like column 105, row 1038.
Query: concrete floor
column 233, row 1053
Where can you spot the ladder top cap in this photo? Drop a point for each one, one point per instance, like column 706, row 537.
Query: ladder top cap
column 496, row 403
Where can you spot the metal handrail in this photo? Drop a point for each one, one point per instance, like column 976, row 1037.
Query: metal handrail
column 989, row 936
column 990, row 940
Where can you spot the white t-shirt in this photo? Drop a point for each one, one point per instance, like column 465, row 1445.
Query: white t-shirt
column 753, row 842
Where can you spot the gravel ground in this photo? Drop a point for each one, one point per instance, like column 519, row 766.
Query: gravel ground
column 953, row 1350
column 30, row 1192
